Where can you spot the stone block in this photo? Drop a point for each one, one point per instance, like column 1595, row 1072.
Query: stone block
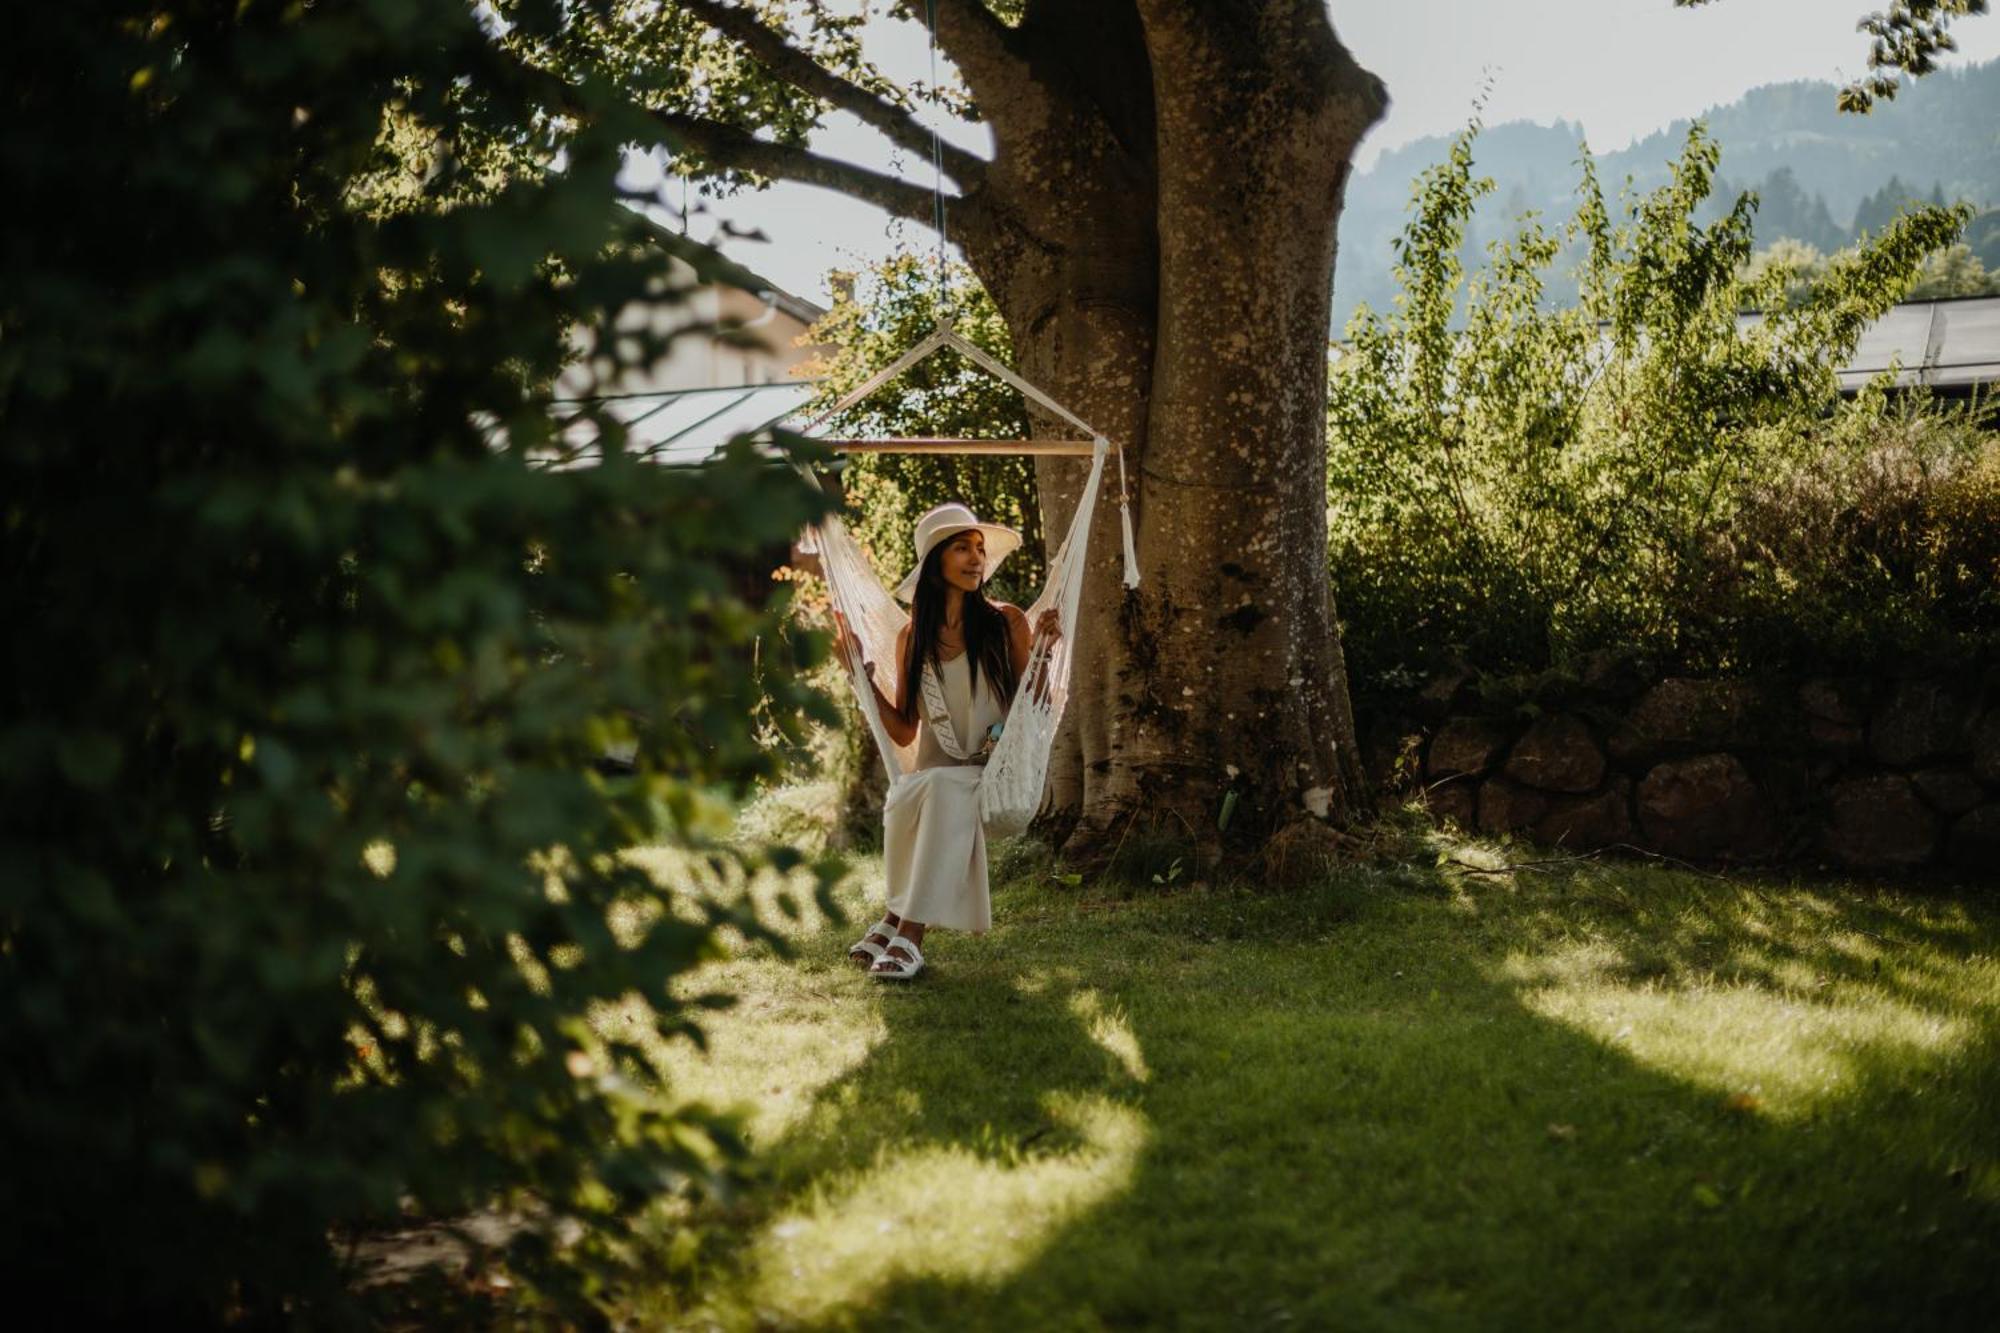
column 1986, row 748
column 1844, row 739
column 1557, row 754
column 1839, row 700
column 1924, row 720
column 1443, row 691
column 1456, row 802
column 1879, row 822
column 1467, row 745
column 1681, row 714
column 1507, row 808
column 1950, row 791
column 1975, row 841
column 1589, row 822
column 1619, row 673
column 1705, row 808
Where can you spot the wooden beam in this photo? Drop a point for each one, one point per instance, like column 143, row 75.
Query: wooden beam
column 1071, row 448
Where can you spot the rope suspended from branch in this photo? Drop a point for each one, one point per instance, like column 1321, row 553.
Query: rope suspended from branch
column 937, row 153
column 937, row 147
column 943, row 335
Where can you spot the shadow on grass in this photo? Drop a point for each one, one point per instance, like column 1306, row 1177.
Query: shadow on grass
column 1615, row 1098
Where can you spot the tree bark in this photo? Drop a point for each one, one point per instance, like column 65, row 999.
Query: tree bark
column 1164, row 255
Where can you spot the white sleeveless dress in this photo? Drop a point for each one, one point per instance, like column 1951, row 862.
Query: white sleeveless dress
column 933, row 844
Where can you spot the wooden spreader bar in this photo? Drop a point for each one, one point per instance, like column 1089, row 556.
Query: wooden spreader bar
column 1069, row 448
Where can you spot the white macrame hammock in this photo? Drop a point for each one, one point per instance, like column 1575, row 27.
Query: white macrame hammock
column 1010, row 789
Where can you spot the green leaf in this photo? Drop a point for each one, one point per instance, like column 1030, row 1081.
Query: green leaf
column 89, row 758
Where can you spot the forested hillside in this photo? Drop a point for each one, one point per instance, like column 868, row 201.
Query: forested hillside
column 1822, row 177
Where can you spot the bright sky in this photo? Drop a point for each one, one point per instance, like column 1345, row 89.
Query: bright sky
column 1622, row 68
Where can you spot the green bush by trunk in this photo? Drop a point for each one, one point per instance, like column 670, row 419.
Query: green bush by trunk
column 306, row 878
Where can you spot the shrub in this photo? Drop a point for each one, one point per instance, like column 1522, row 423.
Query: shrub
column 1878, row 547
column 304, row 867
column 1514, row 484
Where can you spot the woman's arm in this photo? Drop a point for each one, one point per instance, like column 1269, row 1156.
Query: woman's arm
column 1021, row 637
column 900, row 732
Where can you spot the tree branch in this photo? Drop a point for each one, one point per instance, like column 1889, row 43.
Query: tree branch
column 729, row 145
column 785, row 61
column 739, row 149
column 980, row 45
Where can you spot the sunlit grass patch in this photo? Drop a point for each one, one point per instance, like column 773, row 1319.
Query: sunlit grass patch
column 1782, row 1054
column 942, row 1213
column 1110, row 1029
column 1776, row 1000
column 1432, row 1090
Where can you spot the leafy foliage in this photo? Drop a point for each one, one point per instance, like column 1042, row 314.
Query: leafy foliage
column 1950, row 272
column 728, row 81
column 1537, row 482
column 307, row 882
column 942, row 396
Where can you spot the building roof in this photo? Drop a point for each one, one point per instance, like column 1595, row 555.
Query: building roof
column 711, row 265
column 1951, row 344
column 682, row 426
column 685, row 424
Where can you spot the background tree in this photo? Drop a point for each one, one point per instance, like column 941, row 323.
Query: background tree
column 1786, row 210
column 1799, row 266
column 1880, row 208
column 308, row 890
column 1156, row 228
column 1953, row 271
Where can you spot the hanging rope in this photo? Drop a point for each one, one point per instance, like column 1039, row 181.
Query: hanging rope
column 943, row 335
column 937, row 154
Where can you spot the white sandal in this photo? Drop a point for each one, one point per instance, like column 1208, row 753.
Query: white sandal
column 869, row 952
column 891, row 968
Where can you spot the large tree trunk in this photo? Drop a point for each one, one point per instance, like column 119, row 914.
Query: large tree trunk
column 1164, row 254
column 1157, row 226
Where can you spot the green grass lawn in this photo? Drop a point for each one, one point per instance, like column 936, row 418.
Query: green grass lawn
column 1613, row 1096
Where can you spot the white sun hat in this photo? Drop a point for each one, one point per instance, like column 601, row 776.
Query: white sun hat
column 947, row 521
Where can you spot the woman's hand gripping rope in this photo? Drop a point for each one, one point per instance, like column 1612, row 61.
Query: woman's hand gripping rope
column 845, row 646
column 1048, row 628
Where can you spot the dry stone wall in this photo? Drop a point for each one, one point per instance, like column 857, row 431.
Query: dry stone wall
column 1871, row 775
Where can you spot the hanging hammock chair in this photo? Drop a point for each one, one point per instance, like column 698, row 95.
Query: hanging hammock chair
column 1010, row 789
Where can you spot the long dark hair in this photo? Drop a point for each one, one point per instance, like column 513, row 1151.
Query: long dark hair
column 986, row 645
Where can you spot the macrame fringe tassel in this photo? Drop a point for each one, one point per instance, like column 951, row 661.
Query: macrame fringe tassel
column 1131, row 551
column 1124, row 517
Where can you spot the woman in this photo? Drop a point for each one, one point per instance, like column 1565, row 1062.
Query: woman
column 960, row 660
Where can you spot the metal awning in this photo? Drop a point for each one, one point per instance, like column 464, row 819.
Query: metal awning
column 1949, row 344
column 680, row 426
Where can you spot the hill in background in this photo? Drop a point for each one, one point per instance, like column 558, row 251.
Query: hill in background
column 1822, row 176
